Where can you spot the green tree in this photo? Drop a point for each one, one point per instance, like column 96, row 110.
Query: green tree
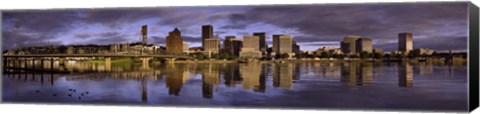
column 387, row 56
column 365, row 54
column 225, row 56
column 282, row 56
column 353, row 56
column 324, row 55
column 338, row 56
column 300, row 55
column 378, row 55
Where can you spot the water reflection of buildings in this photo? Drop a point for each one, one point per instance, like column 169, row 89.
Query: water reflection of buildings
column 365, row 74
column 405, row 75
column 263, row 77
column 119, row 75
column 425, row 68
column 327, row 70
column 175, row 78
column 211, row 77
column 296, row 72
column 231, row 75
column 282, row 75
column 143, row 88
column 356, row 74
column 349, row 73
column 251, row 76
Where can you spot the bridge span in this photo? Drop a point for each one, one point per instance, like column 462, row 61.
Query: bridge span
column 18, row 60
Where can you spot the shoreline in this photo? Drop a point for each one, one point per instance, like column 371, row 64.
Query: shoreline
column 434, row 60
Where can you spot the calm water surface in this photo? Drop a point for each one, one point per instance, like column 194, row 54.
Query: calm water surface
column 352, row 85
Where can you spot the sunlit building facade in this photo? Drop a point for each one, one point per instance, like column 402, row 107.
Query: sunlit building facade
column 348, row 44
column 174, row 41
column 405, row 42
column 364, row 45
column 250, row 47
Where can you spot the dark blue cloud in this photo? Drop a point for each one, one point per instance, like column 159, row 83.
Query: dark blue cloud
column 445, row 22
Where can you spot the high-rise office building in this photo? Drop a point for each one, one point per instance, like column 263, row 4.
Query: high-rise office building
column 263, row 42
column 282, row 44
column 295, row 47
column 251, row 42
column 185, row 47
column 207, row 32
column 250, row 47
column 364, row 45
column 144, row 34
column 378, row 51
column 232, row 45
column 227, row 45
column 405, row 42
column 174, row 41
column 212, row 45
column 348, row 44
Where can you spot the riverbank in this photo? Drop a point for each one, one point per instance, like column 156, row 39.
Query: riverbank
column 430, row 60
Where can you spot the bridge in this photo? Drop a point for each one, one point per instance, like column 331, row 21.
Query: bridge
column 99, row 55
column 20, row 60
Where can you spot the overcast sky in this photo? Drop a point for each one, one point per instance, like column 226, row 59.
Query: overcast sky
column 439, row 26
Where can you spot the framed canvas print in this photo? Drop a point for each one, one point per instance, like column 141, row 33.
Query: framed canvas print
column 419, row 56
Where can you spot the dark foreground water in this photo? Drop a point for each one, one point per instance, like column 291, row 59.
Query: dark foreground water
column 350, row 85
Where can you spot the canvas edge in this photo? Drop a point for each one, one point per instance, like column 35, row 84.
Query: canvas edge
column 1, row 56
column 473, row 49
column 473, row 56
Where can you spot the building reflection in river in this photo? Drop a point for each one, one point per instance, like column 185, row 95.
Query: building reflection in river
column 175, row 74
column 405, row 75
column 282, row 75
column 356, row 74
column 251, row 75
column 365, row 74
column 231, row 75
column 349, row 73
column 210, row 78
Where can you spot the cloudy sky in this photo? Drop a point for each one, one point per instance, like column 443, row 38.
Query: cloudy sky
column 439, row 26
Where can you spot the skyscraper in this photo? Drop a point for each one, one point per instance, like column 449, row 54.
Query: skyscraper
column 251, row 42
column 263, row 43
column 174, row 42
column 405, row 42
column 364, row 45
column 348, row 44
column 185, row 47
column 282, row 44
column 232, row 45
column 144, row 34
column 212, row 45
column 295, row 47
column 250, row 47
column 207, row 32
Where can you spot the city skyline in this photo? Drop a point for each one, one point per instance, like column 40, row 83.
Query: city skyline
column 311, row 26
